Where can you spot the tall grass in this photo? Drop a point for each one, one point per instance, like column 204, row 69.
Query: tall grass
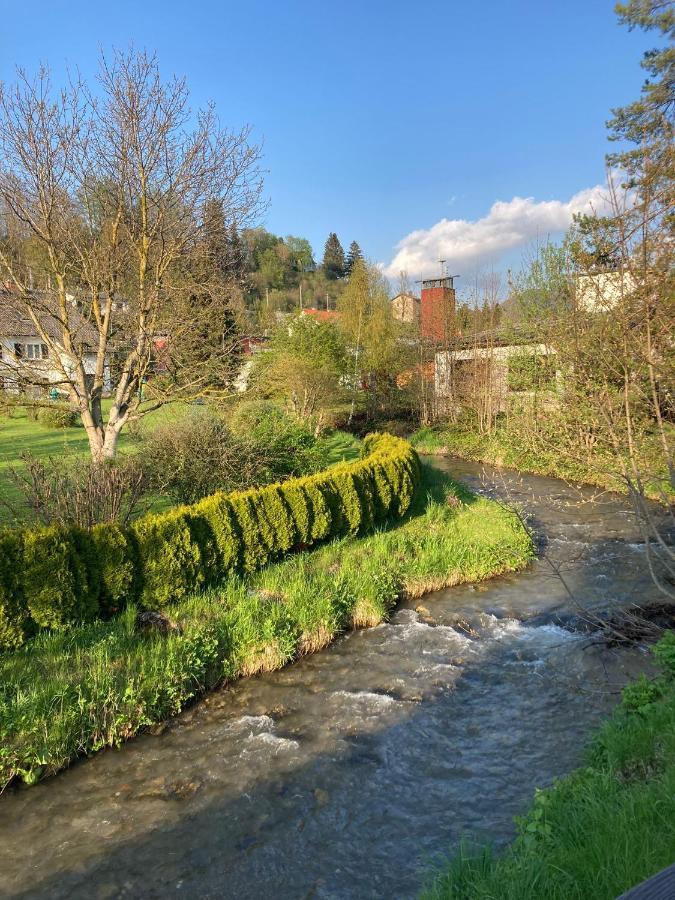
column 504, row 448
column 599, row 831
column 68, row 694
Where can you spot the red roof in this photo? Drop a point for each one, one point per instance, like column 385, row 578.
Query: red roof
column 321, row 315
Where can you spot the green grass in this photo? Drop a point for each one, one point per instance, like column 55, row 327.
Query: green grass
column 68, row 694
column 19, row 434
column 504, row 449
column 340, row 446
column 600, row 830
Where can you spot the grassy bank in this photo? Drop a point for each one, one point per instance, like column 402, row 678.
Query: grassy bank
column 600, row 830
column 504, row 449
column 68, row 694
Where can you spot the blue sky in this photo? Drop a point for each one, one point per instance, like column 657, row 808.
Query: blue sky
column 384, row 118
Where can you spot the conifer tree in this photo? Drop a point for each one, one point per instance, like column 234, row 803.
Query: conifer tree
column 333, row 257
column 648, row 123
column 354, row 253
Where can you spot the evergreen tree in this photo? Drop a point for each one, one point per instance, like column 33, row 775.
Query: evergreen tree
column 236, row 262
column 333, row 257
column 647, row 123
column 353, row 255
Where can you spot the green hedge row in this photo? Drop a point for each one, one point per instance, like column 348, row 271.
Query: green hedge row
column 53, row 577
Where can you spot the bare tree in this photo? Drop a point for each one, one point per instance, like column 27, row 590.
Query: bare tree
column 105, row 242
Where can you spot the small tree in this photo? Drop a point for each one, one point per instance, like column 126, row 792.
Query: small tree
column 333, row 257
column 115, row 197
column 305, row 366
column 374, row 337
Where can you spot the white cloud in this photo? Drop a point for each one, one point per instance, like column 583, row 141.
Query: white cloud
column 467, row 245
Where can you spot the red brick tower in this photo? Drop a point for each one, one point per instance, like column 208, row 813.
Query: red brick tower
column 437, row 309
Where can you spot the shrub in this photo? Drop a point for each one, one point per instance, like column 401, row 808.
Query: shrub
column 201, row 453
column 61, row 574
column 193, row 457
column 170, row 559
column 59, row 415
column 218, row 515
column 57, row 580
column 114, row 549
column 72, row 491
column 284, row 444
column 13, row 612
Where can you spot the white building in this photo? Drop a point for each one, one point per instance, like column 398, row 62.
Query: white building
column 599, row 291
column 27, row 362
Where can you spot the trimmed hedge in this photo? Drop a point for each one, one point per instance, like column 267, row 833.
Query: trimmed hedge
column 54, row 577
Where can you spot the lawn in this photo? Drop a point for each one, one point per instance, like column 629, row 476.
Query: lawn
column 19, row 435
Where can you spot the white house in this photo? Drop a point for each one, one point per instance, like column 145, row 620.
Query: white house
column 27, row 362
column 602, row 290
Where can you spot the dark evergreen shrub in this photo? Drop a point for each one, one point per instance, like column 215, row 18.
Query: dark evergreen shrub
column 13, row 610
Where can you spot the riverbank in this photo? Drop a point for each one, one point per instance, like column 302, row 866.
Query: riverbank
column 601, row 830
column 69, row 694
column 505, row 450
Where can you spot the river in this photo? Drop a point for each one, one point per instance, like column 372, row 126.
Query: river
column 352, row 773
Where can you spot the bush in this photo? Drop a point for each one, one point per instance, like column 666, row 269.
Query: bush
column 60, row 574
column 116, row 553
column 171, row 561
column 201, row 453
column 73, row 491
column 13, row 612
column 59, row 415
column 284, row 444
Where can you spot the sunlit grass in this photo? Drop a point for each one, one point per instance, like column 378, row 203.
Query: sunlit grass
column 503, row 448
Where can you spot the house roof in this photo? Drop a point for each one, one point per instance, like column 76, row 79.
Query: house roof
column 15, row 321
column 321, row 315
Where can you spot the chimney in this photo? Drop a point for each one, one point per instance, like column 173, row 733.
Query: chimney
column 437, row 309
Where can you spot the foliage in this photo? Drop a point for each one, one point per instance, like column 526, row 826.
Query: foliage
column 647, row 123
column 207, row 451
column 548, row 454
column 57, row 576
column 304, row 366
column 57, row 415
column 282, row 444
column 354, row 255
column 600, row 830
column 13, row 611
column 542, row 289
column 194, row 456
column 66, row 575
column 370, row 328
column 333, row 257
column 531, row 372
column 68, row 694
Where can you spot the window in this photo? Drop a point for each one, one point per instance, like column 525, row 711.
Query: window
column 36, row 351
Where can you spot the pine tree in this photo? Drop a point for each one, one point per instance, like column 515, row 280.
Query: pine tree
column 235, row 262
column 333, row 257
column 647, row 123
column 353, row 255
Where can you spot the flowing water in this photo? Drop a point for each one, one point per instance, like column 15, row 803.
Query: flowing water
column 354, row 771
